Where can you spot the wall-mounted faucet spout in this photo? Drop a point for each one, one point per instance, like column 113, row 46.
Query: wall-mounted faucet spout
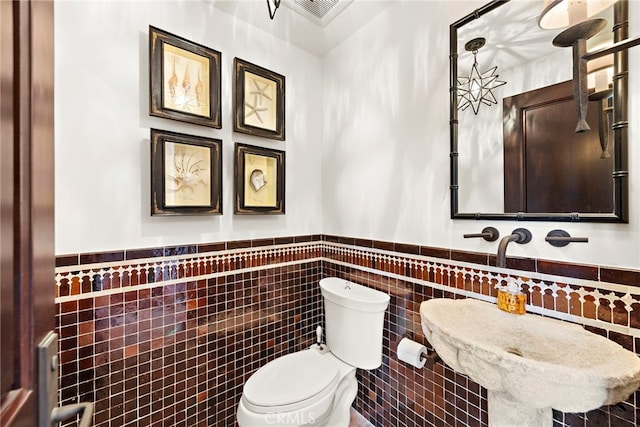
column 519, row 235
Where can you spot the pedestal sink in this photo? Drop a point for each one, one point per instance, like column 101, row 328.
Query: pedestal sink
column 528, row 363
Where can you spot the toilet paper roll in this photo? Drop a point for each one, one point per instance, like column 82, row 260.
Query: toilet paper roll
column 411, row 352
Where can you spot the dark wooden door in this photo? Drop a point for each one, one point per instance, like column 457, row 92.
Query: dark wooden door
column 548, row 167
column 26, row 202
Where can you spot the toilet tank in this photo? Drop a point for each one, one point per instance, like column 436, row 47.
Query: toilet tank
column 354, row 317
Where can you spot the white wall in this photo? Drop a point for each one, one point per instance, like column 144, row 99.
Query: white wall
column 375, row 111
column 386, row 143
column 102, row 126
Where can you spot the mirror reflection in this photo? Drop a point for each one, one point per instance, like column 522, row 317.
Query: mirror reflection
column 519, row 148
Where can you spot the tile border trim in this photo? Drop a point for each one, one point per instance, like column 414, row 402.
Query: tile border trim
column 596, row 303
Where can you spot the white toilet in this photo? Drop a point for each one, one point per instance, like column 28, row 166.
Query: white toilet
column 317, row 386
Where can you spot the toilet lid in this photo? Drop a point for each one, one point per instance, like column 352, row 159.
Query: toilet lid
column 288, row 382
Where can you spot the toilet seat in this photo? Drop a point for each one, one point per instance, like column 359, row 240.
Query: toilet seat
column 290, row 382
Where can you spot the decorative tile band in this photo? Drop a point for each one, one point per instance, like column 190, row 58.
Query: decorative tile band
column 600, row 304
column 73, row 281
column 596, row 303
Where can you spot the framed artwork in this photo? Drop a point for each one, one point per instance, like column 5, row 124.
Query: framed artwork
column 259, row 180
column 186, row 174
column 258, row 101
column 184, row 80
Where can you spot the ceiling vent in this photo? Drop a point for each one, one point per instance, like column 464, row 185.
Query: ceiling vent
column 319, row 11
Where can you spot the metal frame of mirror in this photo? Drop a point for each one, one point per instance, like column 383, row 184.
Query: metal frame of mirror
column 620, row 129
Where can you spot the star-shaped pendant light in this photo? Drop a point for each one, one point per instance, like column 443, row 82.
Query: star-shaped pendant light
column 477, row 88
column 273, row 5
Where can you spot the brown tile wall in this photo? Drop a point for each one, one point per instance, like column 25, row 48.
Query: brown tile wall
column 397, row 394
column 162, row 346
column 178, row 355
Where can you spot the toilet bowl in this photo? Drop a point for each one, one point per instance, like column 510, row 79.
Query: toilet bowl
column 298, row 389
column 317, row 386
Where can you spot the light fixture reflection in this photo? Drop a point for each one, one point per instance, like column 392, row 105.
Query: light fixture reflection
column 600, row 75
column 563, row 13
column 477, row 88
column 273, row 5
column 599, row 78
column 576, row 16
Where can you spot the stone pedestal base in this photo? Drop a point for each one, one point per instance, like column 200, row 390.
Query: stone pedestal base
column 506, row 412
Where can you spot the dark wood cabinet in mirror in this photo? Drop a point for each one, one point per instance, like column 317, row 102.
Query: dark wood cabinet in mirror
column 510, row 161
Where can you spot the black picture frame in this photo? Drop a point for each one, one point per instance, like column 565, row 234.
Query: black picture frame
column 184, row 78
column 259, row 180
column 258, row 101
column 186, row 174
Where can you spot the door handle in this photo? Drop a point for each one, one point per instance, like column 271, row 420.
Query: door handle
column 65, row 412
column 49, row 414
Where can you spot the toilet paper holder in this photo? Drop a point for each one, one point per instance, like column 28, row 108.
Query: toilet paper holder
column 430, row 357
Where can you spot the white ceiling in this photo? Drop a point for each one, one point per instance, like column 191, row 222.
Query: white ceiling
column 298, row 28
column 511, row 30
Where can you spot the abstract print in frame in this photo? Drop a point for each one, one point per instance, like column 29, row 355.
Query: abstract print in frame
column 259, row 104
column 186, row 174
column 184, row 79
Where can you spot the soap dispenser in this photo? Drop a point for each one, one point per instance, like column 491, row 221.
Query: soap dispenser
column 511, row 298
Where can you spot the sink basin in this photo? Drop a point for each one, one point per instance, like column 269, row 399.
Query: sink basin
column 528, row 363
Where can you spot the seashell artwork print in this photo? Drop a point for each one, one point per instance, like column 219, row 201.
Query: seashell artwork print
column 181, row 70
column 187, row 177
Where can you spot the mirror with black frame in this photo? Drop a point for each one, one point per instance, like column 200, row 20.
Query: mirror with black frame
column 519, row 150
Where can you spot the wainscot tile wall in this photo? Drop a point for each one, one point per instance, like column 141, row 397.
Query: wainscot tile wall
column 168, row 336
